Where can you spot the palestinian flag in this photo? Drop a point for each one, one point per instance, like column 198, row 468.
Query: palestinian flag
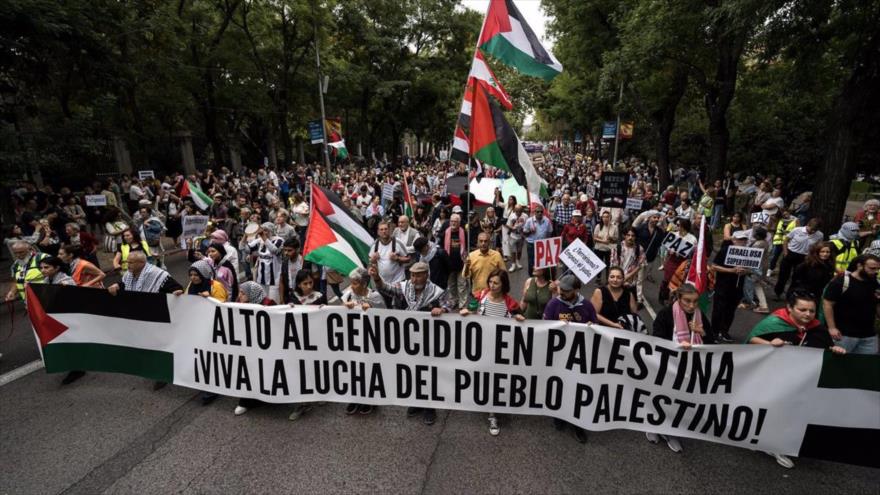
column 408, row 205
column 698, row 273
column 339, row 148
column 507, row 36
column 335, row 238
column 460, row 147
column 483, row 76
column 188, row 188
column 494, row 142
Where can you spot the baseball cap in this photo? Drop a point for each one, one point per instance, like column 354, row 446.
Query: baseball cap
column 420, row 267
column 455, row 209
column 577, row 213
column 569, row 282
column 741, row 234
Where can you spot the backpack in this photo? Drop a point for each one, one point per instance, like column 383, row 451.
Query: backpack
column 152, row 229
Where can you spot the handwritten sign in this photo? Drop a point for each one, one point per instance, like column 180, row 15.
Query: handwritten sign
column 96, row 200
column 744, row 256
column 146, row 174
column 678, row 245
column 582, row 261
column 547, row 252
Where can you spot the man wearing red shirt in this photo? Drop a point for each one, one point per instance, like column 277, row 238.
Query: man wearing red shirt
column 575, row 230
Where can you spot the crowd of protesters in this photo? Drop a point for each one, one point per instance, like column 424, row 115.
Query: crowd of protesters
column 454, row 252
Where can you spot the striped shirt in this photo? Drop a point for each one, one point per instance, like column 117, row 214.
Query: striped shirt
column 489, row 308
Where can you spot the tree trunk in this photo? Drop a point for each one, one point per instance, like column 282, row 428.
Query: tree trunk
column 664, row 120
column 719, row 141
column 853, row 113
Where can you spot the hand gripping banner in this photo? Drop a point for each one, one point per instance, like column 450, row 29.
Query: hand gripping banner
column 788, row 400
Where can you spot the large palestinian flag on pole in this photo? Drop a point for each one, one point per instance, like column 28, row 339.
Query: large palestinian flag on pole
column 335, row 238
column 494, row 142
column 507, row 36
column 483, row 76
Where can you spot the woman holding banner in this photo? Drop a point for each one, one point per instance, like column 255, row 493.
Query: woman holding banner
column 795, row 324
column 251, row 293
column 615, row 304
column 495, row 300
column 685, row 324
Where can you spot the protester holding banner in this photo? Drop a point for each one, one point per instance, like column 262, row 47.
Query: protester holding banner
column 53, row 269
column 570, row 306
column 359, row 294
column 796, row 324
column 224, row 270
column 416, row 294
column 495, row 300
column 251, row 293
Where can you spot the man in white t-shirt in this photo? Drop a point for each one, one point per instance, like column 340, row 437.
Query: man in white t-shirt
column 795, row 247
column 390, row 256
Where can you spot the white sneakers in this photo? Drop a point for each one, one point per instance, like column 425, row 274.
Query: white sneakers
column 494, row 428
column 671, row 442
column 239, row 410
column 782, row 460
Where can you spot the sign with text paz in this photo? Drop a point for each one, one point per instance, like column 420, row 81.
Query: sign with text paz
column 678, row 245
column 760, row 217
column 634, row 204
column 194, row 225
column 744, row 256
column 146, row 174
column 582, row 261
column 316, row 132
column 609, row 130
column 96, row 200
column 613, row 189
column 547, row 252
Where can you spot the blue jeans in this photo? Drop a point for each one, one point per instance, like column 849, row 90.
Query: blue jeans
column 855, row 345
column 717, row 213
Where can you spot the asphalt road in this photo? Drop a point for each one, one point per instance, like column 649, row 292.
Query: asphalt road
column 112, row 434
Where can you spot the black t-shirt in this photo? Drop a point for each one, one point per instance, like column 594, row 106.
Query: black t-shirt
column 855, row 307
column 726, row 283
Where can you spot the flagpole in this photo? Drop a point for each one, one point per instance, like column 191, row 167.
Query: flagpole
column 321, row 101
column 617, row 129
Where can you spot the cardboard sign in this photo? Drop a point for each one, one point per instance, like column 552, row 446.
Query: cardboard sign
column 146, row 174
column 613, row 189
column 96, row 200
column 634, row 204
column 560, row 172
column 678, row 245
column 547, row 252
column 194, row 225
column 582, row 261
column 760, row 217
column 744, row 256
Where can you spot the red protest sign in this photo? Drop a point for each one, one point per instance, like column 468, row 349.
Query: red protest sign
column 547, row 252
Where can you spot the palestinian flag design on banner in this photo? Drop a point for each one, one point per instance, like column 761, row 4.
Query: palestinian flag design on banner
column 335, row 238
column 507, row 36
column 802, row 402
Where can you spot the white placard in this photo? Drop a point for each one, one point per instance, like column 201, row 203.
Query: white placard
column 444, row 155
column 146, row 174
column 560, row 172
column 760, row 217
column 678, row 245
column 547, row 252
column 96, row 200
column 634, row 204
column 194, row 225
column 744, row 256
column 582, row 261
column 387, row 192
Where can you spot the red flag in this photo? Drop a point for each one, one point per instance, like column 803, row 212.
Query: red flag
column 698, row 274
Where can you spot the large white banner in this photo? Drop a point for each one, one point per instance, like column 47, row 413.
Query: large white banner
column 599, row 378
